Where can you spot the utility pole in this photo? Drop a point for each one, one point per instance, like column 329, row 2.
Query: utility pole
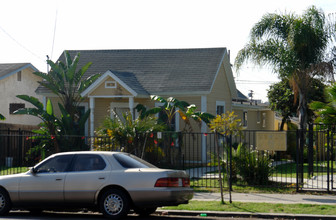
column 251, row 96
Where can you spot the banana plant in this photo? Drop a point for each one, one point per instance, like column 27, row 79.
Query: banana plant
column 65, row 81
column 171, row 106
column 47, row 116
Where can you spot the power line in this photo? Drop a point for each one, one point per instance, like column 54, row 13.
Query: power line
column 21, row 45
column 254, row 82
column 53, row 43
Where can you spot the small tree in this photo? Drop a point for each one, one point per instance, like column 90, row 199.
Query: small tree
column 226, row 124
column 2, row 117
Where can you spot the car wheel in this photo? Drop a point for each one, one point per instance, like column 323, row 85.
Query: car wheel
column 114, row 204
column 5, row 203
column 144, row 211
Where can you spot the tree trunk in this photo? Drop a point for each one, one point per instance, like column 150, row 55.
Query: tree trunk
column 302, row 109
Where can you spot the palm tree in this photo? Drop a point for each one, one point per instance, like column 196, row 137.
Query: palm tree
column 295, row 46
column 326, row 111
column 67, row 83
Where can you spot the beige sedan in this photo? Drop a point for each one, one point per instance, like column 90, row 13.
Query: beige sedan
column 111, row 182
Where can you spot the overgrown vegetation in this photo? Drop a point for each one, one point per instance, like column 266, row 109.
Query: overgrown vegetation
column 64, row 132
column 133, row 136
column 253, row 166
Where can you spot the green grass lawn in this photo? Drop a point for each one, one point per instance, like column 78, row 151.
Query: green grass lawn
column 289, row 169
column 256, row 207
column 12, row 170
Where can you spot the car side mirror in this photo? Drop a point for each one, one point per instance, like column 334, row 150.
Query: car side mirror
column 33, row 170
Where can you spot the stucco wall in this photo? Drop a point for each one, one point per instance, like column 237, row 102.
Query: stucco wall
column 10, row 87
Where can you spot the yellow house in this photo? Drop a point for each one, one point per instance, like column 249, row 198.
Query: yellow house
column 128, row 77
column 198, row 76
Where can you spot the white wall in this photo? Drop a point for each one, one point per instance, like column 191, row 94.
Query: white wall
column 10, row 87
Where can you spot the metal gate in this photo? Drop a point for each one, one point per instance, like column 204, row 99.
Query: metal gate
column 316, row 168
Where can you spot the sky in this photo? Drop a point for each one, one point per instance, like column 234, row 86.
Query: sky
column 31, row 30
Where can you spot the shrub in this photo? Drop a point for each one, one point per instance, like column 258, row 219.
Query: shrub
column 253, row 166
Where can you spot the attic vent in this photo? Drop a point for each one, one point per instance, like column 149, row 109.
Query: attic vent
column 19, row 76
column 110, row 84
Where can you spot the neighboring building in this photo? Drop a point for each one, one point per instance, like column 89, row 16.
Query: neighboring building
column 254, row 115
column 17, row 79
column 199, row 76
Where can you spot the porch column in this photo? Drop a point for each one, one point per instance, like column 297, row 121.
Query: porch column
column 92, row 108
column 44, row 102
column 131, row 106
column 204, row 129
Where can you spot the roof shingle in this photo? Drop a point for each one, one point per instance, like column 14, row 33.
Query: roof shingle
column 157, row 70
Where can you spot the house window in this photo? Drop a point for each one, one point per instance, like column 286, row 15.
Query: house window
column 118, row 109
column 110, row 84
column 258, row 117
column 220, row 107
column 264, row 120
column 245, row 118
column 15, row 106
column 19, row 76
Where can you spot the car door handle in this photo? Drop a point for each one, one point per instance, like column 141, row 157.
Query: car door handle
column 101, row 178
column 58, row 179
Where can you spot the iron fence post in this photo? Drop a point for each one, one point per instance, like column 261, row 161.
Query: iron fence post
column 310, row 150
column 230, row 167
column 328, row 160
column 297, row 160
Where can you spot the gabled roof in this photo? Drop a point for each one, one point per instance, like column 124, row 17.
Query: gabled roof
column 7, row 69
column 127, row 80
column 241, row 96
column 159, row 71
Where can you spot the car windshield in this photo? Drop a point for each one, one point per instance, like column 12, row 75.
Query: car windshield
column 131, row 161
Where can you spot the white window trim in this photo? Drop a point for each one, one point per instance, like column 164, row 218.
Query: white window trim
column 264, row 116
column 110, row 82
column 245, row 111
column 258, row 117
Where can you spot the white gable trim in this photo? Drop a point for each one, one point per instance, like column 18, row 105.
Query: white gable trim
column 228, row 73
column 101, row 79
column 19, row 69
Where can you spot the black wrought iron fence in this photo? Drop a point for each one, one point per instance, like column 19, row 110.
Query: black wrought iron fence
column 239, row 158
column 306, row 160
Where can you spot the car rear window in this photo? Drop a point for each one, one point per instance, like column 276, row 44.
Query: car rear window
column 131, row 161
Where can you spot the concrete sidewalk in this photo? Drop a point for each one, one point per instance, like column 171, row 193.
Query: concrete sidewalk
column 326, row 199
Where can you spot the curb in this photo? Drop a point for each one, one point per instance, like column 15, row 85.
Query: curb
column 242, row 214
